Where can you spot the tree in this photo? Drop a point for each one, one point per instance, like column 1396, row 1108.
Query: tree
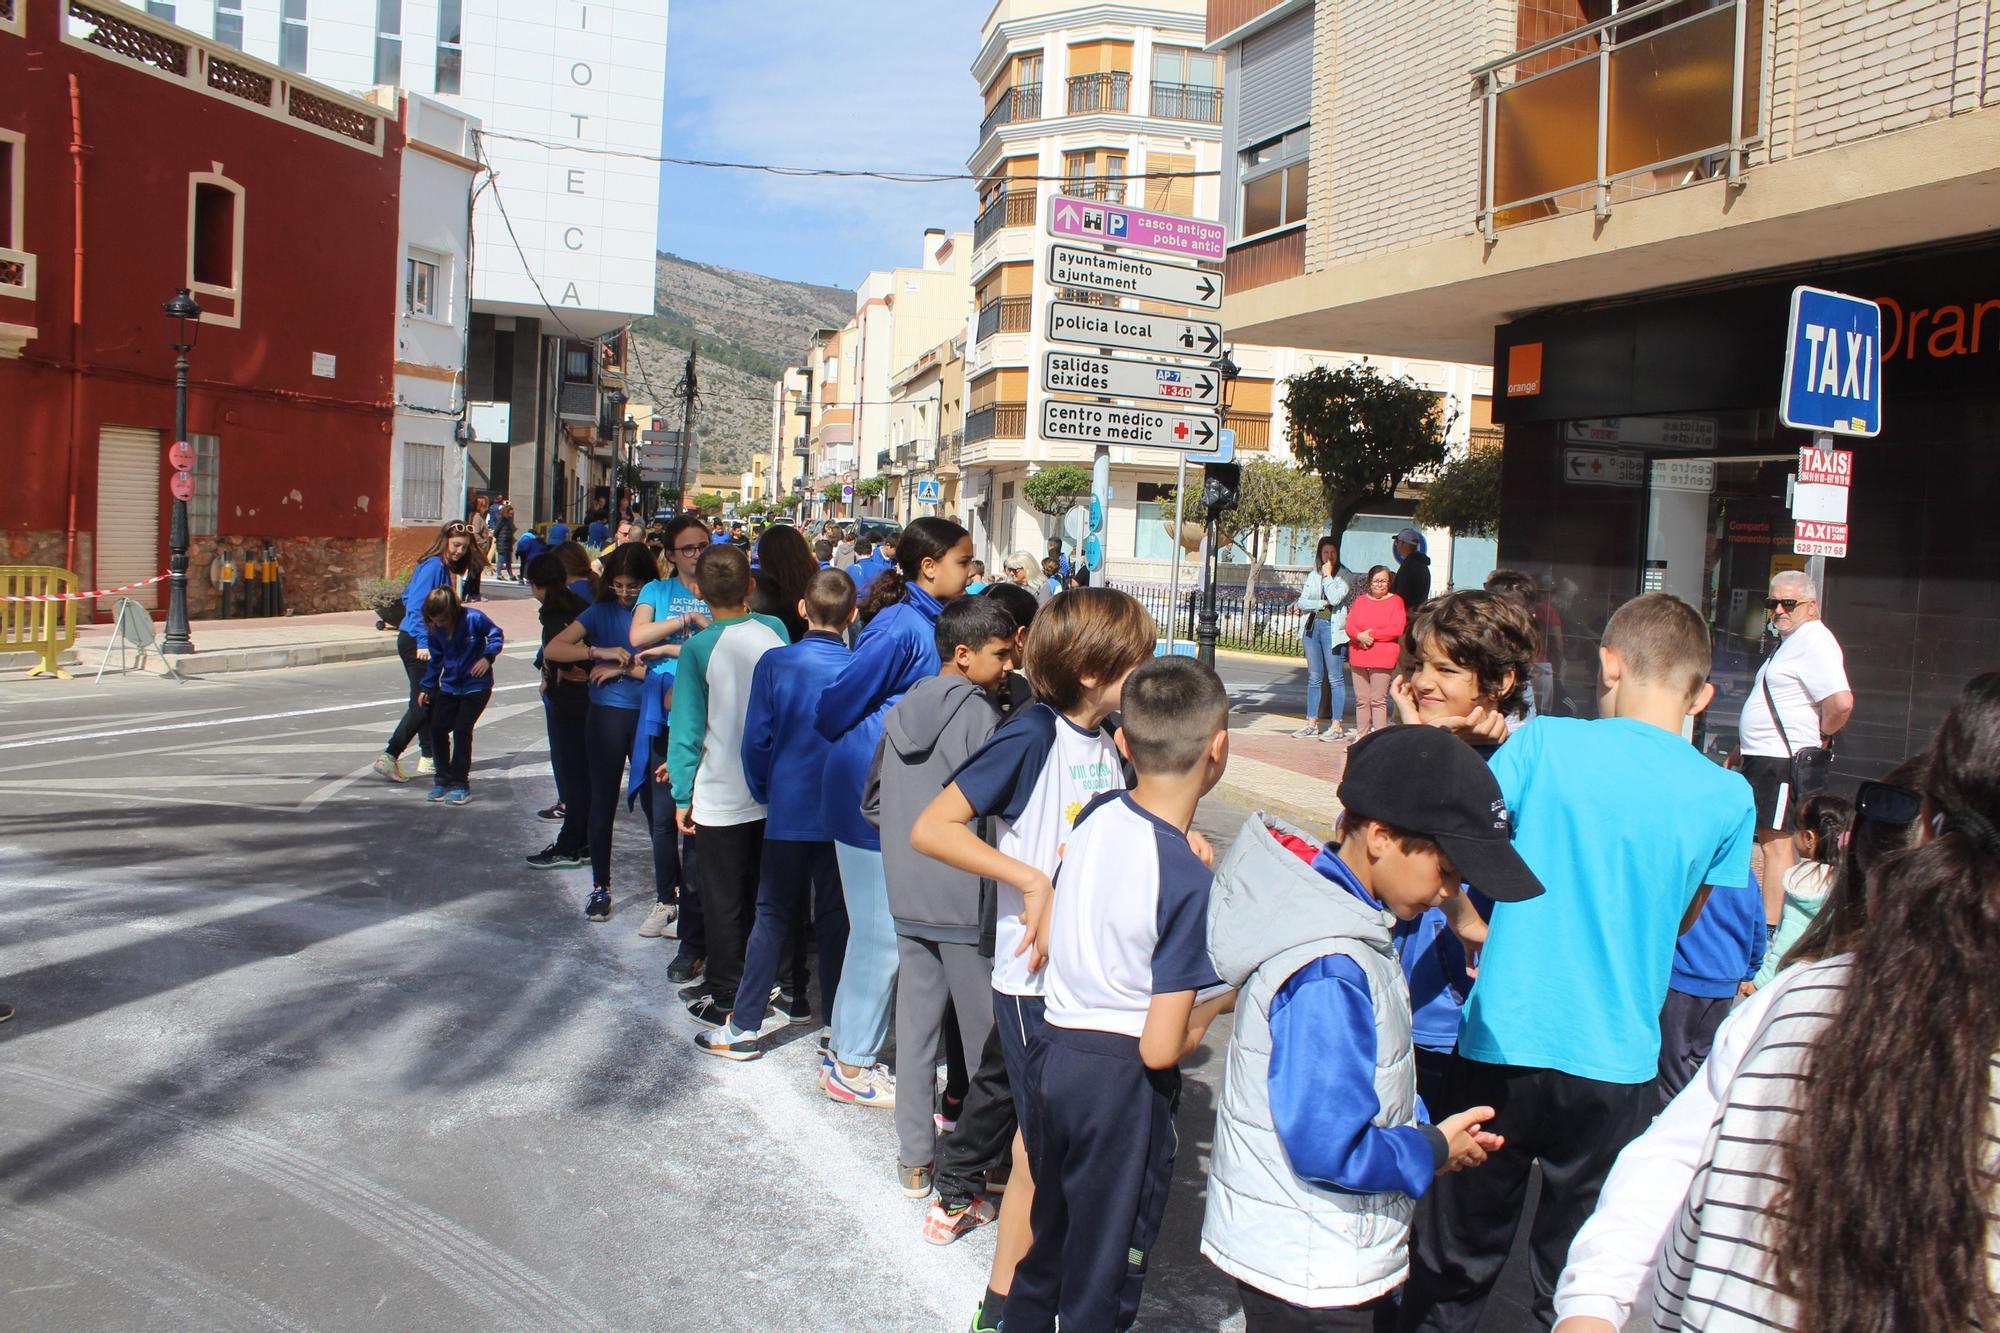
column 1362, row 434
column 1273, row 496
column 868, row 488
column 1465, row 494
column 830, row 493
column 1058, row 489
column 707, row 503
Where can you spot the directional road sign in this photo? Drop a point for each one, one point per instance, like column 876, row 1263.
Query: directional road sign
column 1601, row 467
column 1100, row 326
column 1130, row 275
column 1096, row 423
column 1833, row 364
column 1122, row 377
column 1110, row 224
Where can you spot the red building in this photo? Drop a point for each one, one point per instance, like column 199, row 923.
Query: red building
column 137, row 158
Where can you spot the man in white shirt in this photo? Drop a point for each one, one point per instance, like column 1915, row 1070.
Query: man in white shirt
column 1807, row 680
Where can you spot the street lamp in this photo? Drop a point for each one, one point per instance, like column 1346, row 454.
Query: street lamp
column 1216, row 496
column 186, row 318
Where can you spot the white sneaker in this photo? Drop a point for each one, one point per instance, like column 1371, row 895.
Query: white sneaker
column 659, row 922
column 391, row 768
column 873, row 1086
column 426, row 765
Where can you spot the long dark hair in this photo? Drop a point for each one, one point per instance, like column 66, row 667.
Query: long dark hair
column 1843, row 915
column 548, row 572
column 1880, row 1220
column 783, row 554
column 927, row 538
column 630, row 561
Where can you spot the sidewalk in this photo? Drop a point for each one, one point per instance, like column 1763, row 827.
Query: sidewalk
column 1294, row 779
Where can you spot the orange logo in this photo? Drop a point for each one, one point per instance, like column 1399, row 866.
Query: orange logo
column 1524, row 370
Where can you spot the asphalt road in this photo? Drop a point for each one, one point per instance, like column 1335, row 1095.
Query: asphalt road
column 297, row 1049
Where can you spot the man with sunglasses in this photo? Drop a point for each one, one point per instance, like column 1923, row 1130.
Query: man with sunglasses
column 1800, row 698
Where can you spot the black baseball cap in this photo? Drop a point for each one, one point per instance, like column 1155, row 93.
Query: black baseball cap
column 1425, row 780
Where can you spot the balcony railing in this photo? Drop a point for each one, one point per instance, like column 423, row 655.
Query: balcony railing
column 1100, row 92
column 1187, row 101
column 1662, row 101
column 1010, row 208
column 1021, row 102
column 998, row 421
column 1008, row 314
column 1253, row 429
column 1104, row 191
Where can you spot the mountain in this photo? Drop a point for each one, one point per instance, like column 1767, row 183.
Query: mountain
column 750, row 328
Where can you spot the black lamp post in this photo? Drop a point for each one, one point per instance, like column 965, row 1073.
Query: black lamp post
column 1215, row 497
column 186, row 319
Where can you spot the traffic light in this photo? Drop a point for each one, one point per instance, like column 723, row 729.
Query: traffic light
column 1221, row 483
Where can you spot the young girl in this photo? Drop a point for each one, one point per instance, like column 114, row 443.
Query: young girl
column 566, row 709
column 463, row 644
column 1375, row 626
column 601, row 637
column 897, row 648
column 449, row 556
column 1034, row 777
column 1818, row 842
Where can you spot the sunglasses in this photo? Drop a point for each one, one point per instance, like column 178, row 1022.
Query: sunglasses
column 1886, row 803
column 1788, row 604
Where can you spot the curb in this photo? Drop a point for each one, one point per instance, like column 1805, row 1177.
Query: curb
column 1314, row 819
column 279, row 658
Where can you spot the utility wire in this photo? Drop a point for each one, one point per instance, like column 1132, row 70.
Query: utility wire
column 500, row 202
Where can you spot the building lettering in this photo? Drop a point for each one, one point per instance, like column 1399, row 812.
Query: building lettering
column 573, row 238
column 579, row 119
column 580, row 75
column 569, row 296
column 573, row 180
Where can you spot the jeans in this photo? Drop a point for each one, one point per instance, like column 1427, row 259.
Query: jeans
column 569, row 756
column 416, row 723
column 1326, row 666
column 452, row 720
column 608, row 732
column 868, row 972
column 796, row 877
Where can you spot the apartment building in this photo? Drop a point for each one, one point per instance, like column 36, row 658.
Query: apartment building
column 899, row 314
column 927, row 434
column 1614, row 207
column 785, row 459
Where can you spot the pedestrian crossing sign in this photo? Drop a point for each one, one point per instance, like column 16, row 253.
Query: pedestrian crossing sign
column 927, row 492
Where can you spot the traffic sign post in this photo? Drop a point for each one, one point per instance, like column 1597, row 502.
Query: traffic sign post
column 1131, row 275
column 1833, row 364
column 1074, row 219
column 1122, row 377
column 1164, row 335
column 1097, row 423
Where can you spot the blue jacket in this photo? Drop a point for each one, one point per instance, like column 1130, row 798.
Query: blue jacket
column 784, row 756
column 1725, row 945
column 864, row 572
column 450, row 670
column 429, row 575
column 597, row 534
column 558, row 534
column 528, row 547
column 898, row 649
column 1434, row 963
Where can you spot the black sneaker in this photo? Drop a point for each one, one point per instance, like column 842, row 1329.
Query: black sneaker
column 792, row 1008
column 555, row 811
column 553, row 857
column 6, row 1012
column 708, row 1011
column 599, row 906
column 683, row 969
column 689, row 993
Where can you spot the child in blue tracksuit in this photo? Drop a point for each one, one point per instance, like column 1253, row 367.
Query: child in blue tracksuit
column 1715, row 961
column 463, row 644
column 897, row 648
column 784, row 765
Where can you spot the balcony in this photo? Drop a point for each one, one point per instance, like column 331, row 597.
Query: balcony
column 1103, row 191
column 1187, row 101
column 1010, row 208
column 1656, row 101
column 997, row 421
column 1021, row 102
column 1100, row 92
column 882, row 460
column 1253, row 430
column 1008, row 314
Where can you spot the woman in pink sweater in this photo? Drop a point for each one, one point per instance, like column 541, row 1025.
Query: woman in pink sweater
column 1375, row 627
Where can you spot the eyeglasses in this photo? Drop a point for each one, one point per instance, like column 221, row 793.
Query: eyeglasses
column 626, row 588
column 1789, row 604
column 1886, row 803
column 696, row 549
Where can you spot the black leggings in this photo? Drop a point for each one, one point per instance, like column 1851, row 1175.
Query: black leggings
column 608, row 735
column 452, row 719
column 416, row 723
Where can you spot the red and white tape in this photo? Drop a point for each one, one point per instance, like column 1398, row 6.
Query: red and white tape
column 86, row 596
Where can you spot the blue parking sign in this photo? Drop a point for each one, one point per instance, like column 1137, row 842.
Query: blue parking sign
column 1833, row 364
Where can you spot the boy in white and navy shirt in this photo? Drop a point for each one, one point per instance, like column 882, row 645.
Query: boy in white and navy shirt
column 1127, row 955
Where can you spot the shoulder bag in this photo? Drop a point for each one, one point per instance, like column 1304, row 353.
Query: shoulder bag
column 1810, row 765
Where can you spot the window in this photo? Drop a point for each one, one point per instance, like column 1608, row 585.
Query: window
column 1028, row 70
column 213, row 251
column 161, row 9
column 292, row 36
column 423, row 482
column 576, row 362
column 1150, row 540
column 202, row 509
column 1274, row 184
column 1095, row 174
column 1179, row 64
column 12, row 150
column 450, row 49
column 422, row 294
column 388, row 41
column 229, row 23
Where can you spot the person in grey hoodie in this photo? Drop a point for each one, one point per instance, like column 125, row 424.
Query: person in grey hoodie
column 938, row 725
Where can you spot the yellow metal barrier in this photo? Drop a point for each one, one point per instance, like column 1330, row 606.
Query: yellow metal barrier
column 27, row 622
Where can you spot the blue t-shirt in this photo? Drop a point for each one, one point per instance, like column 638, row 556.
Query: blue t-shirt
column 670, row 598
column 1622, row 822
column 608, row 624
column 597, row 534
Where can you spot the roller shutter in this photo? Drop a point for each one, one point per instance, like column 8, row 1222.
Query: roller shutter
column 128, row 512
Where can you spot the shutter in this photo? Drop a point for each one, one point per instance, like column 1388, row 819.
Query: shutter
column 1174, row 194
column 128, row 512
column 1273, row 79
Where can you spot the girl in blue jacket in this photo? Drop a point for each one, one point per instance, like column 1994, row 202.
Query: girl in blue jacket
column 463, row 645
column 897, row 648
column 449, row 556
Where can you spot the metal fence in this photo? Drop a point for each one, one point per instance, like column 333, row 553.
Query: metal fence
column 1270, row 625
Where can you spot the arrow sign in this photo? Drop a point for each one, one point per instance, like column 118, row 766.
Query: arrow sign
column 1094, row 423
column 1100, row 326
column 1143, row 229
column 1129, row 275
column 1121, row 377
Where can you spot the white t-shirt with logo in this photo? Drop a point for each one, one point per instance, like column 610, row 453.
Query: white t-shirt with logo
column 1034, row 777
column 1807, row 668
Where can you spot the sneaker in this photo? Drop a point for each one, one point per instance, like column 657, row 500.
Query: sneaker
column 915, row 1180
column 728, row 1043
column 873, row 1086
column 792, row 1008
column 553, row 857
column 555, row 811
column 390, row 767
column 982, row 1322
column 6, row 1012
column 943, row 1225
column 1306, row 732
column 1332, row 734
column 426, row 765
column 996, row 1179
column 689, row 994
column 708, row 1011
column 946, row 1118
column 684, row 968
column 457, row 796
column 437, row 794
column 658, row 922
column 825, row 1042
column 598, row 908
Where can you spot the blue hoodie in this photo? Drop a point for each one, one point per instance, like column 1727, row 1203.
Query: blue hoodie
column 429, row 575
column 898, row 649
column 1725, row 945
column 866, row 570
column 558, row 534
column 450, row 670
column 780, row 740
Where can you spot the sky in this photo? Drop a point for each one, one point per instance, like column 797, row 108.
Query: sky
column 820, row 83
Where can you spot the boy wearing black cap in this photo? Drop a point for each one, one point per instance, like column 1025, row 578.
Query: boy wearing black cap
column 1321, row 1142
